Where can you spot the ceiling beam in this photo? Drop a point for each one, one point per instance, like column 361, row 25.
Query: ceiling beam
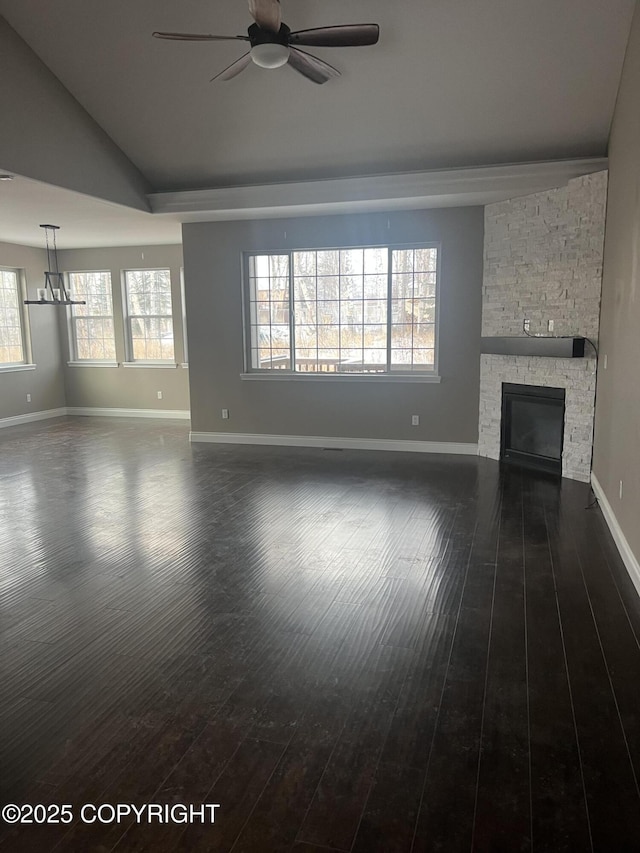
column 404, row 191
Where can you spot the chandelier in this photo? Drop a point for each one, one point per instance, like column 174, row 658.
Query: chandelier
column 54, row 291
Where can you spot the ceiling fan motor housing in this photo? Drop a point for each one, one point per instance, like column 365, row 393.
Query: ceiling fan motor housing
column 269, row 49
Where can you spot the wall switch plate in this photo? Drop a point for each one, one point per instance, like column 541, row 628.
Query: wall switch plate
column 620, row 489
column 28, row 398
column 605, row 361
column 550, row 325
column 225, row 414
column 415, row 420
column 159, row 395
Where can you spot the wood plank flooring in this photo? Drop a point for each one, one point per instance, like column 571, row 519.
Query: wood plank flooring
column 348, row 651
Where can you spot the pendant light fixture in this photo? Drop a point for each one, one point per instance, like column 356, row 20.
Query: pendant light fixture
column 54, row 291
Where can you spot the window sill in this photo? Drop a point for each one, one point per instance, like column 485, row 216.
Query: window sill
column 185, row 365
column 152, row 364
column 337, row 377
column 93, row 364
column 10, row 368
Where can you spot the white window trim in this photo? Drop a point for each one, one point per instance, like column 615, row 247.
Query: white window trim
column 249, row 373
column 183, row 306
column 153, row 364
column 10, row 368
column 87, row 363
column 283, row 375
column 25, row 328
column 74, row 360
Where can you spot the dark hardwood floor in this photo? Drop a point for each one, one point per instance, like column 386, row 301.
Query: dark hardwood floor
column 348, row 651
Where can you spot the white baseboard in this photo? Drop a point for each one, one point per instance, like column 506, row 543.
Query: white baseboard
column 335, row 443
column 92, row 411
column 176, row 414
column 628, row 557
column 33, row 416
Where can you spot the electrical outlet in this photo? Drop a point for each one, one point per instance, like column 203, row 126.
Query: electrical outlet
column 28, row 398
column 550, row 325
column 527, row 325
column 225, row 414
column 620, row 489
column 415, row 420
column 159, row 395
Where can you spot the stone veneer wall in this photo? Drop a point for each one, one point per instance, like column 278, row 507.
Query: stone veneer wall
column 543, row 261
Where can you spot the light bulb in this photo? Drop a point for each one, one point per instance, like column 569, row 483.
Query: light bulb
column 270, row 55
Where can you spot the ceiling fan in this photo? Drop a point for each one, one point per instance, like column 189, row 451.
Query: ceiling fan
column 272, row 43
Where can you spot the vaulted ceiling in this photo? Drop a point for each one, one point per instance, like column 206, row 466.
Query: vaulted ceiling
column 451, row 83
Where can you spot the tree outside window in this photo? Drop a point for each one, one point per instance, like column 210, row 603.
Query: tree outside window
column 149, row 315
column 92, row 331
column 12, row 348
column 349, row 311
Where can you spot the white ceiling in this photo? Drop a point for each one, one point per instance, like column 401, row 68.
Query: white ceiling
column 84, row 222
column 451, row 83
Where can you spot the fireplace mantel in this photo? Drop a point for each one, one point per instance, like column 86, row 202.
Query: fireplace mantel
column 547, row 347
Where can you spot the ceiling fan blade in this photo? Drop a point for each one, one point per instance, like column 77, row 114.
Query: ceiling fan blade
column 312, row 67
column 234, row 69
column 346, row 35
column 197, row 37
column 267, row 14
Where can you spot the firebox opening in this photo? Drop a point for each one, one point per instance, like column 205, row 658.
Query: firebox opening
column 532, row 426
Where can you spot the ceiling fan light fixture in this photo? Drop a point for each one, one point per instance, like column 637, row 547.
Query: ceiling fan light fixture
column 270, row 55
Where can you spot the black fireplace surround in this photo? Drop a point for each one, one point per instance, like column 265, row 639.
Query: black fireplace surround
column 532, row 426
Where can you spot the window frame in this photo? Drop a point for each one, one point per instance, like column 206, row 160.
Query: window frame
column 128, row 317
column 71, row 318
column 183, row 307
column 25, row 332
column 398, row 375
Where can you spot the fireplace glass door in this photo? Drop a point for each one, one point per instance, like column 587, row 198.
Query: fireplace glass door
column 532, row 426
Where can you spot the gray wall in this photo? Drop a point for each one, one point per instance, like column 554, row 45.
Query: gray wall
column 48, row 136
column 46, row 382
column 353, row 409
column 617, row 430
column 127, row 387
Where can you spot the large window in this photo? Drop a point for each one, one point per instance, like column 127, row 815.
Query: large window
column 12, row 344
column 149, row 317
column 92, row 335
column 349, row 311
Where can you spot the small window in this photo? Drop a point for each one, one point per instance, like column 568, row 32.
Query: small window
column 149, row 315
column 92, row 332
column 347, row 311
column 12, row 340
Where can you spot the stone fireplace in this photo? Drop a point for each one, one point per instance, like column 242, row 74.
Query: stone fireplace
column 543, row 262
column 532, row 426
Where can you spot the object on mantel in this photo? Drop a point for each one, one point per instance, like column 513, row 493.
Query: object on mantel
column 546, row 347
